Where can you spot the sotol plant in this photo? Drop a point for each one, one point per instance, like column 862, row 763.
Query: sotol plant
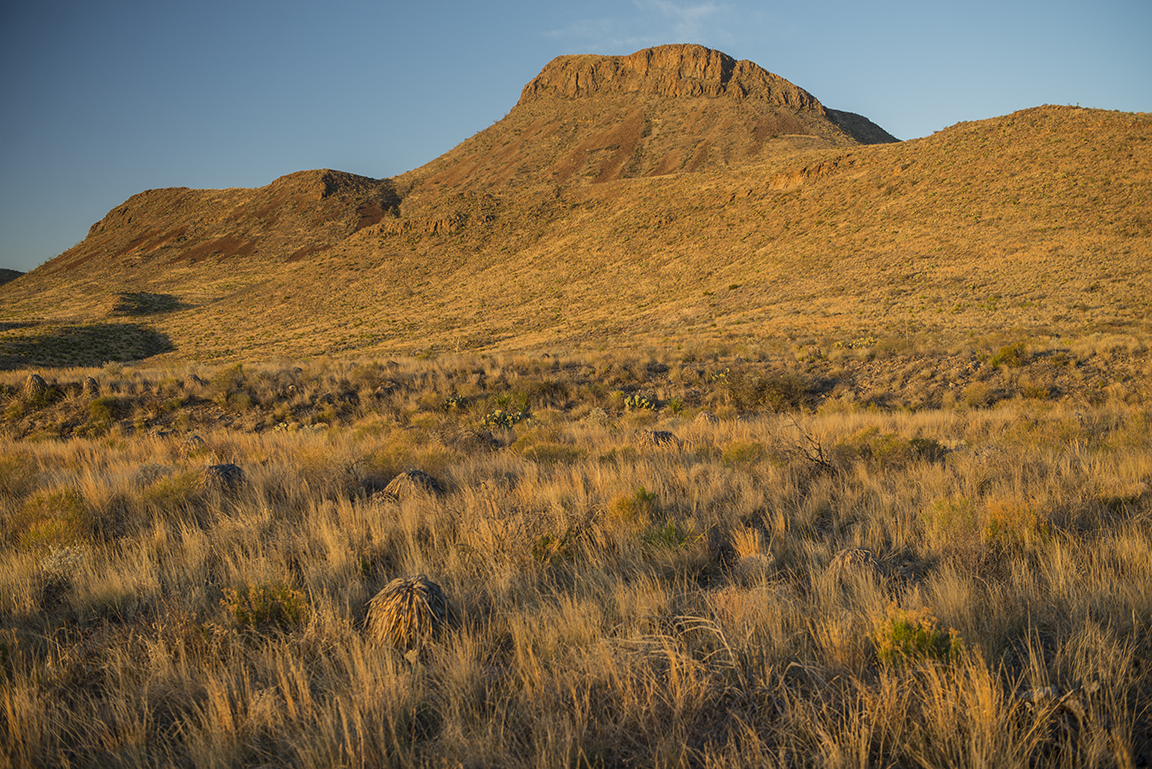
column 407, row 612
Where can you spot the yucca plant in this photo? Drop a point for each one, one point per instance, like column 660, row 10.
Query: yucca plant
column 407, row 612
column 225, row 477
column 659, row 439
column 855, row 561
column 412, row 483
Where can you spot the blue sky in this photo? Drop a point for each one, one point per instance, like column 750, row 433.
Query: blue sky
column 102, row 99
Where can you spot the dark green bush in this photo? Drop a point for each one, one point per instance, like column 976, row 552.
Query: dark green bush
column 772, row 391
column 267, row 606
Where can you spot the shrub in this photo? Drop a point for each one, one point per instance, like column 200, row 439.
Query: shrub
column 911, row 636
column 141, row 303
column 237, row 402
column 1010, row 355
column 638, row 508
column 7, row 656
column 928, row 449
column 955, row 528
column 547, row 453
column 671, row 536
column 267, row 606
column 53, row 518
column 103, row 412
column 743, row 453
column 776, row 391
column 980, row 394
column 17, row 478
column 1012, row 525
column 173, row 493
column 888, row 450
column 546, row 393
column 229, row 379
column 550, row 547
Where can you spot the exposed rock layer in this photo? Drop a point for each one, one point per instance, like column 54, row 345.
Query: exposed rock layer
column 668, row 70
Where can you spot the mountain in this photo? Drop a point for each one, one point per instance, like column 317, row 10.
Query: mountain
column 668, row 197
column 660, row 111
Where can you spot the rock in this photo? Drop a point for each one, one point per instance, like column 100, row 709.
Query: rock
column 707, row 418
column 666, row 70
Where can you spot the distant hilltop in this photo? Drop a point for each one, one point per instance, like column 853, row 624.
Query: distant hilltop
column 668, row 70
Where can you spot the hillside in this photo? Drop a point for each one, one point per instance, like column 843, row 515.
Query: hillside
column 666, row 198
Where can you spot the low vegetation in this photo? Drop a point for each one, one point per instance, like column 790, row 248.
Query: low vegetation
column 810, row 574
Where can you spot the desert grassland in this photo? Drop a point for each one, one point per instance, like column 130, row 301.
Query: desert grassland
column 614, row 603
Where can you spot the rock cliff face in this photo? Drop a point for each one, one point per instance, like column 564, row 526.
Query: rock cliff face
column 668, row 70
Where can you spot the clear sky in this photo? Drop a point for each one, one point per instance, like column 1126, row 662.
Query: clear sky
column 101, row 99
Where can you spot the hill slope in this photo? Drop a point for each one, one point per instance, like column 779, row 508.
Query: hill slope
column 583, row 218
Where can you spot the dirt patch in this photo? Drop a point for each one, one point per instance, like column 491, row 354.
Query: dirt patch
column 305, row 252
column 229, row 245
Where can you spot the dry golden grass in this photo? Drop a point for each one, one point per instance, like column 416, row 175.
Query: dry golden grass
column 613, row 606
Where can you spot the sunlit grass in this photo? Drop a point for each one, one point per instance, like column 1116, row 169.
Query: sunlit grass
column 611, row 602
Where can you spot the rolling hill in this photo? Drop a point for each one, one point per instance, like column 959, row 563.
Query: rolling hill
column 667, row 197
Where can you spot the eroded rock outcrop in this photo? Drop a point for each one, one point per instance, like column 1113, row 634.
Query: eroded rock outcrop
column 667, row 70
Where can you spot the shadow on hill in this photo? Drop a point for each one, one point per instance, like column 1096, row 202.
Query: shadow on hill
column 9, row 325
column 143, row 303
column 88, row 345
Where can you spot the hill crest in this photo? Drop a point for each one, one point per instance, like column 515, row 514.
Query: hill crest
column 296, row 215
column 680, row 70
